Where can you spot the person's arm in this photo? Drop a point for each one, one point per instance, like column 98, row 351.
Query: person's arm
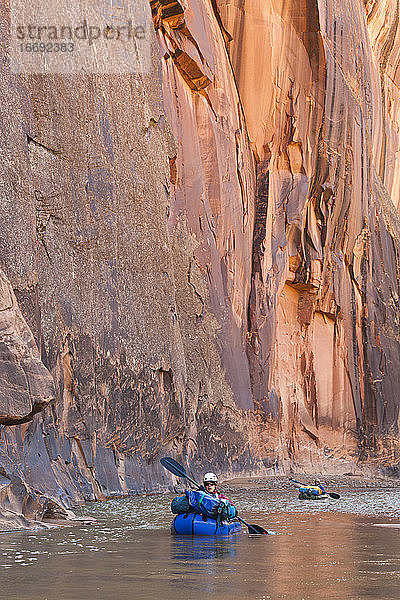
column 230, row 509
column 223, row 497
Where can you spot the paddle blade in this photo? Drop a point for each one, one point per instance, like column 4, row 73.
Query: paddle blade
column 174, row 467
column 334, row 495
column 257, row 529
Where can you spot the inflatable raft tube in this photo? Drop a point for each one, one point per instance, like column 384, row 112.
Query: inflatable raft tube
column 195, row 524
column 307, row 496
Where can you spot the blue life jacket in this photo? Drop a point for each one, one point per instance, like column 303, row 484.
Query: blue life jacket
column 210, row 506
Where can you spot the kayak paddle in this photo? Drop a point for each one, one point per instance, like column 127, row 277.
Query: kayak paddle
column 331, row 494
column 174, row 467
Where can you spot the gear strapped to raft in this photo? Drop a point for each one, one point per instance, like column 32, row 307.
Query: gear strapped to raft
column 312, row 490
column 205, row 504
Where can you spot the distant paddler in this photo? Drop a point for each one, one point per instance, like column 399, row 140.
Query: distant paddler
column 313, row 492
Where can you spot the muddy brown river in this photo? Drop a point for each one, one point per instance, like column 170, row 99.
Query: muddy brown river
column 334, row 549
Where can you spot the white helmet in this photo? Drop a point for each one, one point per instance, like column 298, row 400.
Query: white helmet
column 210, row 478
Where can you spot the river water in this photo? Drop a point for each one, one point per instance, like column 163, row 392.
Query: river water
column 332, row 549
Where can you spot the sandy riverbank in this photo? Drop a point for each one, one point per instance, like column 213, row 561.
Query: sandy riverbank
column 331, row 482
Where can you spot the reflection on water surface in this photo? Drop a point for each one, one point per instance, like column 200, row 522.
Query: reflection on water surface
column 347, row 549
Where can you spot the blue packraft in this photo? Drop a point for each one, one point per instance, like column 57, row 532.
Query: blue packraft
column 195, row 524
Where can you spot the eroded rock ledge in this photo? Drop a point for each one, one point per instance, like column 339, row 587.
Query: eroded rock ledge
column 26, row 386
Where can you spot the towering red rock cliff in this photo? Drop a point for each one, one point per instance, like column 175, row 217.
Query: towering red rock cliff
column 207, row 254
column 316, row 80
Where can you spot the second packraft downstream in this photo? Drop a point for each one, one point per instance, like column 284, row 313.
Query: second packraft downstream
column 311, row 493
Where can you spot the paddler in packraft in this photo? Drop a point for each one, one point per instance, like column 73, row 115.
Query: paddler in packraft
column 208, row 509
column 207, row 501
column 313, row 492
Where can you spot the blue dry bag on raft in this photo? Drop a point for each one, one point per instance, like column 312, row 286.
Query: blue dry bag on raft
column 210, row 506
column 180, row 505
column 203, row 503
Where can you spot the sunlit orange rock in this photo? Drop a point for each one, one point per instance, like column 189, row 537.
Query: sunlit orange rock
column 320, row 94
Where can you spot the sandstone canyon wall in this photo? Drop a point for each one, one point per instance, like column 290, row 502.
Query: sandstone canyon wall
column 205, row 253
column 324, row 307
